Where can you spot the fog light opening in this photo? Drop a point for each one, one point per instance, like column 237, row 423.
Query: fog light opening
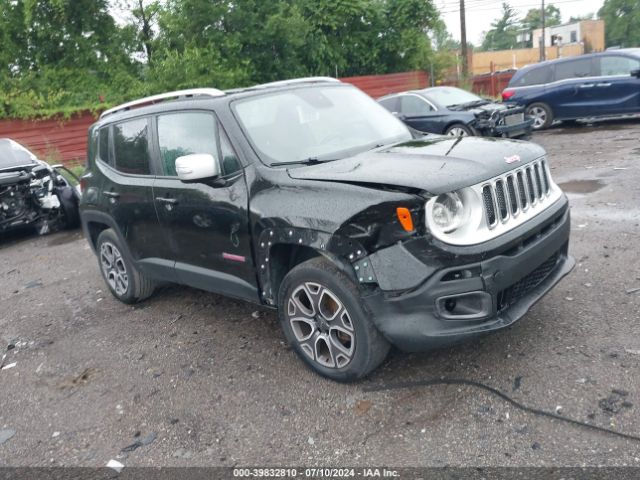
column 465, row 306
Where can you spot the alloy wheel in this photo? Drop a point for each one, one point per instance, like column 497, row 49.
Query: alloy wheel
column 113, row 267
column 458, row 132
column 539, row 116
column 321, row 325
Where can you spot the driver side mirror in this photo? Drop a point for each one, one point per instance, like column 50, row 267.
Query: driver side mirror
column 635, row 73
column 197, row 166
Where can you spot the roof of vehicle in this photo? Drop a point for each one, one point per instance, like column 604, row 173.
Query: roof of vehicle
column 629, row 51
column 422, row 91
column 210, row 93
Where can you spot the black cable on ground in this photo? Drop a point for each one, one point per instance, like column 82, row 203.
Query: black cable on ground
column 503, row 396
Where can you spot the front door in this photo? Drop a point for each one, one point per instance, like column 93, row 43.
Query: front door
column 617, row 89
column 420, row 114
column 206, row 221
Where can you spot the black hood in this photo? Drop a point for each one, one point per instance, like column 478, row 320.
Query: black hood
column 436, row 165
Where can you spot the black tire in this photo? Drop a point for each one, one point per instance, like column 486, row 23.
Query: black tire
column 138, row 286
column 542, row 115
column 461, row 127
column 367, row 347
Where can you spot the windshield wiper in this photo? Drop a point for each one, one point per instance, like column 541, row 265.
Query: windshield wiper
column 305, row 161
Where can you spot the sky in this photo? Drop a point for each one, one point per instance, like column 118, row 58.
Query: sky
column 480, row 13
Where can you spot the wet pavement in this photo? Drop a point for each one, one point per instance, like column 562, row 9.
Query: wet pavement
column 192, row 378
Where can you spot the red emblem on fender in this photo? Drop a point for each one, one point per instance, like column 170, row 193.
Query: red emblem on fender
column 512, row 159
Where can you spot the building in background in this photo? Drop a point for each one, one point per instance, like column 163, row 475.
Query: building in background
column 566, row 40
column 589, row 33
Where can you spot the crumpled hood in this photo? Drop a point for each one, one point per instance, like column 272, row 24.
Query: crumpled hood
column 435, row 164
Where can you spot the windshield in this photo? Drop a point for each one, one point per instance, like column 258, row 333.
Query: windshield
column 13, row 154
column 321, row 123
column 448, row 96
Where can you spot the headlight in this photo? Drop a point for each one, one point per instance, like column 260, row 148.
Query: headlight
column 448, row 212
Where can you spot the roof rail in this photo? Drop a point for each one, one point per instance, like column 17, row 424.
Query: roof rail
column 293, row 81
column 193, row 92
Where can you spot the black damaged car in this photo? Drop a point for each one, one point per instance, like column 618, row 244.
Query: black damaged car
column 33, row 193
column 456, row 112
column 308, row 197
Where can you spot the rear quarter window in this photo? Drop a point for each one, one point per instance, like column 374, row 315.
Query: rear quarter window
column 535, row 76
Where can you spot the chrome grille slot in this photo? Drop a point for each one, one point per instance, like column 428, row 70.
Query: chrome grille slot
column 536, row 171
column 501, row 200
column 524, row 198
column 545, row 178
column 511, row 191
column 530, row 189
column 489, row 208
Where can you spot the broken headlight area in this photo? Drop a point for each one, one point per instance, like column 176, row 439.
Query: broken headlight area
column 33, row 197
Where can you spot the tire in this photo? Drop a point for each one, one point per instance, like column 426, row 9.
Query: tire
column 126, row 282
column 460, row 130
column 542, row 115
column 327, row 324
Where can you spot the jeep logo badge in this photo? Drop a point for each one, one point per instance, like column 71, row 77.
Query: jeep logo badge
column 512, row 159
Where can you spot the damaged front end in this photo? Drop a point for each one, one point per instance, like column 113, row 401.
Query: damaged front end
column 37, row 196
column 495, row 120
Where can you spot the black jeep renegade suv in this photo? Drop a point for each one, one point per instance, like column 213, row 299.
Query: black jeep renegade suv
column 309, row 197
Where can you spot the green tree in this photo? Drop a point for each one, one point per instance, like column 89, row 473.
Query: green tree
column 504, row 31
column 622, row 20
column 533, row 19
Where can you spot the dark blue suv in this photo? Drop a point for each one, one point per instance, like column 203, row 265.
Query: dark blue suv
column 593, row 85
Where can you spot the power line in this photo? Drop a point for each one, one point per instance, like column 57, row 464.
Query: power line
column 515, row 8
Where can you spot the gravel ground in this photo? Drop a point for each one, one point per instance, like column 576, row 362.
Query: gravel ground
column 192, row 378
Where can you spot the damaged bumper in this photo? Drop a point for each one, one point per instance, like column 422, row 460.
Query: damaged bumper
column 487, row 289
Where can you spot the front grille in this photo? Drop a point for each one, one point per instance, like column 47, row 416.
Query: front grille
column 514, row 192
column 515, row 292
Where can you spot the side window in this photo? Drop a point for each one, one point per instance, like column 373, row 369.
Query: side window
column 617, row 65
column 390, row 104
column 536, row 76
column 103, row 151
column 413, row 106
column 183, row 134
column 578, row 68
column 131, row 147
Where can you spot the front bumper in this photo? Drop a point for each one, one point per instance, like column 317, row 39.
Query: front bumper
column 517, row 130
column 469, row 299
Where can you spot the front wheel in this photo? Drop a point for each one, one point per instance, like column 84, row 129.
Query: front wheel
column 126, row 282
column 327, row 324
column 459, row 130
column 542, row 115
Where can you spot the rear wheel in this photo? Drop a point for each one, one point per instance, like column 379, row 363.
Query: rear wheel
column 327, row 324
column 541, row 114
column 126, row 282
column 459, row 130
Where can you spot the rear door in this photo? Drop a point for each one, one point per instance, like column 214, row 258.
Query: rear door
column 574, row 94
column 127, row 187
column 206, row 221
column 618, row 91
column 419, row 113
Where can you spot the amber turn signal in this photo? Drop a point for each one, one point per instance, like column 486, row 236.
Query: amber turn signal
column 404, row 215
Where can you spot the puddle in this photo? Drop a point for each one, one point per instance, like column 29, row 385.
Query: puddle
column 64, row 238
column 582, row 186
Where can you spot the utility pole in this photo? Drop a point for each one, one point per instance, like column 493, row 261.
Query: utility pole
column 543, row 50
column 463, row 42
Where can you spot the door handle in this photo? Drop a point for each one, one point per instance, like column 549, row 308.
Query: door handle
column 113, row 195
column 587, row 85
column 603, row 84
column 167, row 201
